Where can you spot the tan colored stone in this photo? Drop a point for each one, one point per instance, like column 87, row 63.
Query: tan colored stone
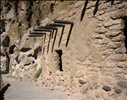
column 114, row 45
column 120, row 98
column 98, row 36
column 28, row 61
column 108, row 52
column 125, row 76
column 104, row 95
column 110, row 80
column 122, row 65
column 79, row 74
column 101, row 30
column 119, row 13
column 116, row 27
column 119, row 38
column 92, row 78
column 111, row 93
column 118, row 57
column 91, row 94
column 112, row 33
column 103, row 41
column 97, row 93
column 85, row 88
column 108, row 23
column 121, row 50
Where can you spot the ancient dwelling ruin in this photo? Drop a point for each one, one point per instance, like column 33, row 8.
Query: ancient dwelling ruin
column 79, row 47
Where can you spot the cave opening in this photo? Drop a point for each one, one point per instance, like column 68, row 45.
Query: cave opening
column 59, row 52
column 11, row 49
column 125, row 31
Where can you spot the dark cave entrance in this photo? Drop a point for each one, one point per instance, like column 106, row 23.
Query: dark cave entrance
column 59, row 52
column 125, row 31
column 11, row 49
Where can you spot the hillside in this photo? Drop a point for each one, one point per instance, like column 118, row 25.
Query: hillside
column 78, row 47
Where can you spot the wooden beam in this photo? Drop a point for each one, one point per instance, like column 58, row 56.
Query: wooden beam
column 63, row 22
column 48, row 30
column 47, row 27
column 35, row 35
column 37, row 32
column 55, row 25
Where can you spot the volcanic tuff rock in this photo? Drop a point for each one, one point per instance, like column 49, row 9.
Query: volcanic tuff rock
column 92, row 65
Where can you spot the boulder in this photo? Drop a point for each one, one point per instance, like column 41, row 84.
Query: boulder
column 106, row 88
column 122, row 83
column 118, row 91
column 82, row 81
column 28, row 61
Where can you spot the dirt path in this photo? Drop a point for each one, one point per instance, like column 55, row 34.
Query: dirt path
column 20, row 90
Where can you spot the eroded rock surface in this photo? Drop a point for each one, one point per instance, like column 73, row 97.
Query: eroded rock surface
column 94, row 63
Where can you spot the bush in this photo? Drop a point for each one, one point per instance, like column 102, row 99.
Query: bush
column 4, row 72
column 38, row 73
column 1, row 80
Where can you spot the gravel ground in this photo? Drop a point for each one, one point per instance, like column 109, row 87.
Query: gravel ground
column 21, row 90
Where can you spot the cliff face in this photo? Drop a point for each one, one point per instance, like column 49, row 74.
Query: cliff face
column 90, row 58
column 20, row 17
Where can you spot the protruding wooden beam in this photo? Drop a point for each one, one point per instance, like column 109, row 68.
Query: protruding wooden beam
column 54, row 41
column 48, row 27
column 48, row 30
column 37, row 32
column 55, row 25
column 63, row 22
column 36, row 35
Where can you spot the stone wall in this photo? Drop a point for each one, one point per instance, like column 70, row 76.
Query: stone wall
column 94, row 63
column 95, row 59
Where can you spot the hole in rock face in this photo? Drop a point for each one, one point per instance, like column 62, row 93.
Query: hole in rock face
column 11, row 49
column 25, row 49
column 52, row 7
column 37, row 51
column 59, row 52
column 2, row 54
column 6, row 41
column 125, row 31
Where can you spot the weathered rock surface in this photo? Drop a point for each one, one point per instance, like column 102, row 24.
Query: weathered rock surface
column 95, row 55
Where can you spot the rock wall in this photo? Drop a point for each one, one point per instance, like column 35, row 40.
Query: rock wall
column 92, row 65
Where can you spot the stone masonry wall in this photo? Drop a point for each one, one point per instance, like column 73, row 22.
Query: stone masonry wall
column 96, row 56
column 94, row 62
